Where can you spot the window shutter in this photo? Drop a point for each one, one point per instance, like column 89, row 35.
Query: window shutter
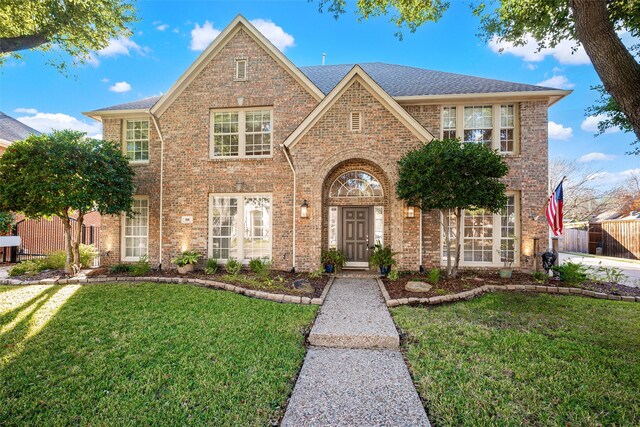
column 356, row 121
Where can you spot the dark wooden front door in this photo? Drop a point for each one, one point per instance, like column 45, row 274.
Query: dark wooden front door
column 355, row 234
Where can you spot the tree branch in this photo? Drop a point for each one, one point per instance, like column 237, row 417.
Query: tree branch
column 13, row 44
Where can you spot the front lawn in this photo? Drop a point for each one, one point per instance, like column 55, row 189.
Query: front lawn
column 526, row 359
column 146, row 354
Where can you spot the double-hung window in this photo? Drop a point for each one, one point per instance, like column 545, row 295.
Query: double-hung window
column 241, row 133
column 240, row 227
column 488, row 238
column 136, row 136
column 494, row 125
column 135, row 230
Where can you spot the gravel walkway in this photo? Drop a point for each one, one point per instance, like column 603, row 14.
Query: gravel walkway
column 353, row 374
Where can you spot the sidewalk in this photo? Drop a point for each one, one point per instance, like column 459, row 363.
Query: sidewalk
column 631, row 269
column 354, row 374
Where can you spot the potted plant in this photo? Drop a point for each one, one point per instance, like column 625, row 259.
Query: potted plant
column 332, row 259
column 507, row 255
column 186, row 261
column 382, row 257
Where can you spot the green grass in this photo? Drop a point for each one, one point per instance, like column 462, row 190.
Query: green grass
column 146, row 354
column 526, row 359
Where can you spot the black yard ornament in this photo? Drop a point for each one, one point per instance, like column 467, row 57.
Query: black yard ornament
column 548, row 260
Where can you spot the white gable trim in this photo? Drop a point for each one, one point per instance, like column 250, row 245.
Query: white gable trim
column 214, row 48
column 359, row 75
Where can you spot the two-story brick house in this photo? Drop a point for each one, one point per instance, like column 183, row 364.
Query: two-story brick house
column 249, row 156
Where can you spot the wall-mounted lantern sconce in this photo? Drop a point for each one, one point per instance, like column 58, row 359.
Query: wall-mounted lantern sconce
column 240, row 100
column 239, row 185
column 304, row 209
column 410, row 212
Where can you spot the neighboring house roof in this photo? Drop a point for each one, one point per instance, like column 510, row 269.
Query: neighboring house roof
column 13, row 130
column 401, row 80
column 358, row 74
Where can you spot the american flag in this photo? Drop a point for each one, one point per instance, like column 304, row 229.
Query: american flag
column 554, row 210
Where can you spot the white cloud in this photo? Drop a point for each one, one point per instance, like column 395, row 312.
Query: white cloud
column 563, row 52
column 274, row 33
column 530, row 66
column 558, row 82
column 557, row 131
column 105, row 80
column 46, row 122
column 201, row 37
column 596, row 156
column 614, row 177
column 26, row 110
column 590, row 124
column 120, row 87
column 121, row 46
column 162, row 27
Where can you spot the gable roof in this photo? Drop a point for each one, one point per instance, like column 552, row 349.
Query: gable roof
column 358, row 74
column 13, row 130
column 140, row 104
column 401, row 80
column 239, row 23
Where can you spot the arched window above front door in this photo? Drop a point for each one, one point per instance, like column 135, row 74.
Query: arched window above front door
column 355, row 184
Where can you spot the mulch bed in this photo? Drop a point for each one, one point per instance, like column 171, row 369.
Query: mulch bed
column 282, row 280
column 468, row 280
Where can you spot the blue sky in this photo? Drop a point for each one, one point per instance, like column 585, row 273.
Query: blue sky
column 170, row 35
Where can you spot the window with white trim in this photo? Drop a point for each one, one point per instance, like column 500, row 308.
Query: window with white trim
column 135, row 234
column 495, row 125
column 136, row 136
column 240, row 227
column 488, row 238
column 241, row 133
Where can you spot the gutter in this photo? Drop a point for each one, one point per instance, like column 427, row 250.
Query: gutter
column 293, row 204
column 155, row 123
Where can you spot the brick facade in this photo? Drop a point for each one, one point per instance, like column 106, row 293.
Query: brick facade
column 326, row 150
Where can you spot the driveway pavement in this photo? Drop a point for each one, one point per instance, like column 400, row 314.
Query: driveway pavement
column 631, row 269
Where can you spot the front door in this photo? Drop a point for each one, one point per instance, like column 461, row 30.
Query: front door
column 355, row 235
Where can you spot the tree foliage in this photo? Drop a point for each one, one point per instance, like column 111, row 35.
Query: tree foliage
column 614, row 117
column 591, row 23
column 451, row 176
column 6, row 222
column 76, row 27
column 63, row 173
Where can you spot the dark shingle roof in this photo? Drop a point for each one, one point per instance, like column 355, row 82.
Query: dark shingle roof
column 140, row 104
column 396, row 80
column 401, row 80
column 13, row 130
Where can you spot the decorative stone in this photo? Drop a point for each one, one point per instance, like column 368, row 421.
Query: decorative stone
column 303, row 285
column 417, row 287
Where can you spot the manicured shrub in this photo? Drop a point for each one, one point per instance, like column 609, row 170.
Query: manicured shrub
column 120, row 268
column 540, row 277
column 57, row 259
column 233, row 267
column 211, row 266
column 141, row 267
column 316, row 274
column 393, row 275
column 433, row 276
column 571, row 273
column 260, row 266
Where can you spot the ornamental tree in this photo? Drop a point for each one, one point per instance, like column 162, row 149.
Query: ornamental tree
column 76, row 27
column 451, row 176
column 594, row 24
column 65, row 173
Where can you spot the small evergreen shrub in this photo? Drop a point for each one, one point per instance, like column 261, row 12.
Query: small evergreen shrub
column 141, row 267
column 317, row 273
column 55, row 260
column 233, row 267
column 433, row 276
column 393, row 275
column 540, row 277
column 571, row 273
column 211, row 266
column 120, row 268
column 261, row 267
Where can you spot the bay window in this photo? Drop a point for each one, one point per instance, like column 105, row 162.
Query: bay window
column 494, row 125
column 487, row 238
column 240, row 227
column 242, row 133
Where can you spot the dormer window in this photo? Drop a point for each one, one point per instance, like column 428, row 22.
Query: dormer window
column 355, row 121
column 241, row 70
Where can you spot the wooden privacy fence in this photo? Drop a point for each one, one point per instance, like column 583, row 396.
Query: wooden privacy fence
column 574, row 240
column 621, row 239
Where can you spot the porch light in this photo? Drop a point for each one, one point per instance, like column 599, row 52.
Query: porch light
column 304, row 209
column 240, row 100
column 411, row 212
column 239, row 185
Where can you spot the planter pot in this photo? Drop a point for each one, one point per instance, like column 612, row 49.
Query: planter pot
column 505, row 273
column 328, row 268
column 384, row 270
column 185, row 269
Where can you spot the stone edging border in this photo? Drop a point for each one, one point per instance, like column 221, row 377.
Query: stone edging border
column 291, row 299
column 492, row 288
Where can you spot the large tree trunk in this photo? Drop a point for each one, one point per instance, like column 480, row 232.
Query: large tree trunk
column 616, row 67
column 77, row 265
column 447, row 226
column 14, row 44
column 459, row 239
column 66, row 222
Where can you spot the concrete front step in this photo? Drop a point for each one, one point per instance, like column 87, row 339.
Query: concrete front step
column 354, row 315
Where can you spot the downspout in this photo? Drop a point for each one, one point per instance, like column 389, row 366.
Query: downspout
column 155, row 123
column 293, row 204
column 421, row 268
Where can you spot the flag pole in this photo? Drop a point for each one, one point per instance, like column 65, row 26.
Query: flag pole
column 535, row 218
